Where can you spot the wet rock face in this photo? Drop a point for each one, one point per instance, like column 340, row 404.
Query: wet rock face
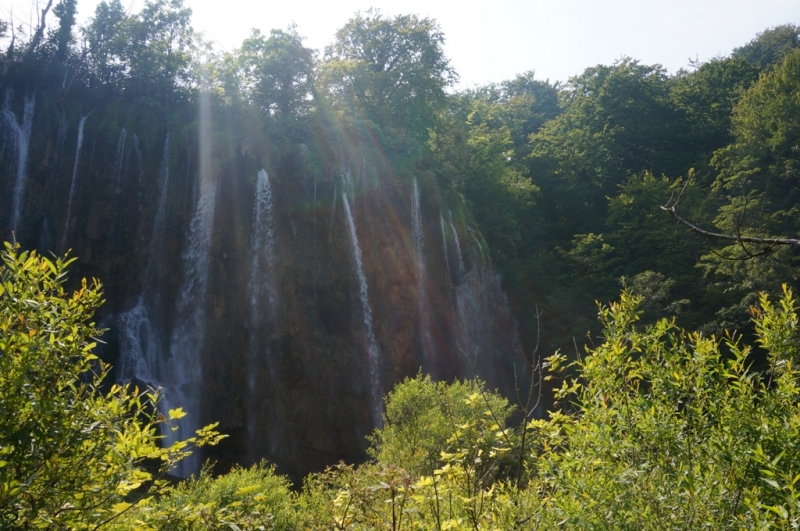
column 288, row 377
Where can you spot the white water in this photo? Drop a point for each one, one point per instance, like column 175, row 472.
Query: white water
column 458, row 245
column 139, row 346
column 21, row 135
column 120, row 152
column 422, row 280
column 333, row 209
column 155, row 256
column 72, row 183
column 262, row 423
column 262, row 248
column 446, row 256
column 139, row 342
column 185, row 365
column 372, row 344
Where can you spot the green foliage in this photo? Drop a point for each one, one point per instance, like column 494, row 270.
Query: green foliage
column 392, row 72
column 426, row 419
column 71, row 456
column 147, row 55
column 658, row 428
column 670, row 431
column 770, row 46
column 757, row 183
column 244, row 498
column 65, row 11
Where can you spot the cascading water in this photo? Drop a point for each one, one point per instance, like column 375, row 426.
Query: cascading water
column 262, row 247
column 333, row 209
column 372, row 344
column 461, row 268
column 263, row 306
column 422, row 288
column 74, row 178
column 140, row 345
column 446, row 256
column 119, row 161
column 156, row 254
column 186, row 342
column 21, row 137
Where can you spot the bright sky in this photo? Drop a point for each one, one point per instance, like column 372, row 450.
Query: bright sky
column 494, row 40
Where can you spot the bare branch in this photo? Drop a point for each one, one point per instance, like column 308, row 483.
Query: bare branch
column 671, row 209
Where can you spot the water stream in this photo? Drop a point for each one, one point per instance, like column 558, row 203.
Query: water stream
column 120, row 156
column 263, row 310
column 21, row 136
column 372, row 344
column 461, row 269
column 73, row 181
column 183, row 379
column 423, row 305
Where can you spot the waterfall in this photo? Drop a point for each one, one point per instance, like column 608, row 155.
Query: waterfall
column 139, row 346
column 141, row 332
column 139, row 155
column 120, row 152
column 139, row 341
column 155, row 256
column 333, row 209
column 422, row 288
column 457, row 244
column 74, row 178
column 186, row 342
column 262, row 246
column 21, row 133
column 372, row 344
column 446, row 256
column 263, row 311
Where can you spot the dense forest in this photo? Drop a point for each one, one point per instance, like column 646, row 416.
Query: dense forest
column 322, row 251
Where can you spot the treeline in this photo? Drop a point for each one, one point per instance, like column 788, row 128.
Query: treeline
column 564, row 179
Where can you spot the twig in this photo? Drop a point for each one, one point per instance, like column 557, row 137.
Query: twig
column 671, row 209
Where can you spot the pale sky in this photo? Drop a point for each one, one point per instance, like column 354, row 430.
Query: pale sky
column 489, row 41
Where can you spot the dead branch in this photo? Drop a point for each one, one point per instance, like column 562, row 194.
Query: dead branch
column 35, row 40
column 671, row 209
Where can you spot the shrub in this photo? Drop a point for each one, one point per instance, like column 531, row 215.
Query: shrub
column 244, row 498
column 70, row 455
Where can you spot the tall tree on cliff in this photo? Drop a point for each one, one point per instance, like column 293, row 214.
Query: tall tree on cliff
column 392, row 72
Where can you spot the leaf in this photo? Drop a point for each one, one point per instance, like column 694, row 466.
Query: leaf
column 176, row 414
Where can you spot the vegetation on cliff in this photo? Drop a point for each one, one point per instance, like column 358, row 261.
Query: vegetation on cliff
column 656, row 427
column 564, row 180
column 71, row 456
column 558, row 185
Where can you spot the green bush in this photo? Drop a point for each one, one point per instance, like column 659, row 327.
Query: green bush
column 672, row 430
column 245, row 498
column 71, row 457
column 657, row 429
column 426, row 419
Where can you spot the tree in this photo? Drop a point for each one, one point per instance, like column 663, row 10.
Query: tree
column 757, row 185
column 617, row 121
column 770, row 46
column 65, row 11
column 668, row 429
column 390, row 71
column 279, row 71
column 106, row 42
column 71, row 456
